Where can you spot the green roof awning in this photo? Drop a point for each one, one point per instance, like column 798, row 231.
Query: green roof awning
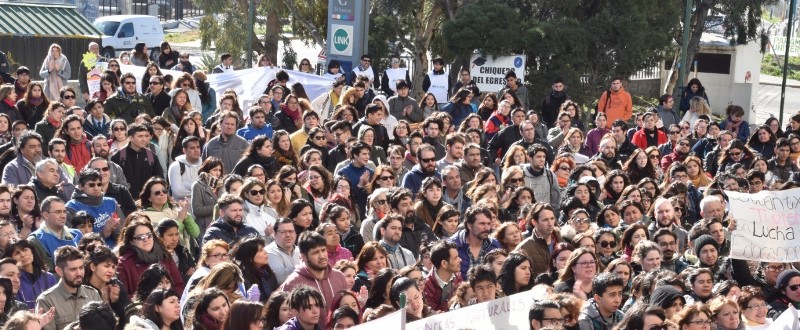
column 20, row 19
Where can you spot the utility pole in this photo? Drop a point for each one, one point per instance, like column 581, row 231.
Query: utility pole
column 682, row 66
column 251, row 17
column 789, row 27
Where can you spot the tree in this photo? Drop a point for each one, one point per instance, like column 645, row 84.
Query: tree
column 742, row 24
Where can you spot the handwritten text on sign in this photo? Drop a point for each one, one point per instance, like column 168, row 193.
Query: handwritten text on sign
column 500, row 314
column 767, row 225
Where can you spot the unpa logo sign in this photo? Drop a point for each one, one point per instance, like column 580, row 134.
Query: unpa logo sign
column 342, row 40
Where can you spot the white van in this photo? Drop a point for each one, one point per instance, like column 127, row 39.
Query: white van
column 123, row 32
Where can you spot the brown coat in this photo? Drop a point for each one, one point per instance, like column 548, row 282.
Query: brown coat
column 537, row 250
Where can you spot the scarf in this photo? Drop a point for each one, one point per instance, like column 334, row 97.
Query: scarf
column 652, row 136
column 209, row 322
column 209, row 180
column 294, row 115
column 8, row 102
column 35, row 101
column 53, row 122
column 151, row 257
column 390, row 249
column 732, row 127
column 562, row 182
column 54, row 82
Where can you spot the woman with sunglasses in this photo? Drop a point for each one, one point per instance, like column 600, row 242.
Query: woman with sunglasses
column 737, row 152
column 378, row 207
column 606, row 245
column 384, row 177
column 156, row 203
column 185, row 83
column 317, row 141
column 138, row 248
column 256, row 214
column 119, row 136
column 305, row 66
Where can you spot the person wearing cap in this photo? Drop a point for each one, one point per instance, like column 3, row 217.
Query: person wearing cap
column 706, row 249
column 23, row 79
column 788, row 287
column 668, row 298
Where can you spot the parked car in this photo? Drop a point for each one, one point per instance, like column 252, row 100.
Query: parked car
column 123, row 32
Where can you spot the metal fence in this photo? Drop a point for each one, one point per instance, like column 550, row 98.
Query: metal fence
column 165, row 9
column 646, row 74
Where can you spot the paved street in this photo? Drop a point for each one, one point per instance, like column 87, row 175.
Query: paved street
column 769, row 99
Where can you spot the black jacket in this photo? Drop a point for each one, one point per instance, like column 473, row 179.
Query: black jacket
column 411, row 239
column 123, row 197
column 137, row 166
column 353, row 241
column 270, row 165
column 381, row 135
column 502, row 141
column 31, row 113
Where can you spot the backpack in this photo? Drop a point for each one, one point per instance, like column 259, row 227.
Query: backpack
column 124, row 151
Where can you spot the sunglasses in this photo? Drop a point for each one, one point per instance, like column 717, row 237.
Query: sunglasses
column 94, row 184
column 102, row 169
column 654, row 156
column 608, row 244
column 427, row 160
column 130, row 83
column 736, row 153
column 119, row 129
column 794, row 287
column 385, row 178
column 581, row 220
column 159, row 192
column 381, row 201
column 143, row 237
column 564, row 168
column 69, row 97
column 319, row 138
column 674, row 132
column 256, row 192
column 155, row 83
column 516, row 180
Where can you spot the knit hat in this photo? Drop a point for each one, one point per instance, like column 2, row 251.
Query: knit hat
column 702, row 241
column 785, row 276
column 665, row 295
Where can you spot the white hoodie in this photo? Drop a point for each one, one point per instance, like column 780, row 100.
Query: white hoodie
column 182, row 183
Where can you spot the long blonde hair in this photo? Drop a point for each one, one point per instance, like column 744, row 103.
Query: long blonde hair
column 700, row 105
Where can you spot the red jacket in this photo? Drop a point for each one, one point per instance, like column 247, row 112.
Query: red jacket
column 130, row 270
column 433, row 292
column 670, row 158
column 640, row 139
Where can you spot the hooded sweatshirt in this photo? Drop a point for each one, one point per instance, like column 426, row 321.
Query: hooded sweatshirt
column 142, row 323
column 181, row 181
column 101, row 209
column 332, row 281
column 591, row 319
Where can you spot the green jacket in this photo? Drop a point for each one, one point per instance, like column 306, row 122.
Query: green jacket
column 127, row 108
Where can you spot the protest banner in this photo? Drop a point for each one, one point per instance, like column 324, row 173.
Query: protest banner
column 767, row 224
column 394, row 321
column 249, row 84
column 489, row 72
column 787, row 320
column 500, row 314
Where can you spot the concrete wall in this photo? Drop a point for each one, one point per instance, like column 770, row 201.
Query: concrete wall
column 647, row 88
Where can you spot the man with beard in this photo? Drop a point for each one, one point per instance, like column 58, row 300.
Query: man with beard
column 126, row 103
column 426, row 155
column 227, row 146
column 679, row 154
column 258, row 125
column 455, row 151
column 545, row 236
column 229, row 227
column 432, row 128
column 624, row 146
column 390, row 230
column 110, row 189
column 553, row 101
column 102, row 149
column 471, row 163
column 506, row 137
column 29, row 151
column 473, row 242
column 608, row 153
column 668, row 243
column 413, row 144
column 54, row 233
column 69, row 294
column 315, row 271
column 158, row 97
column 414, row 229
column 718, row 232
column 540, row 178
column 665, row 219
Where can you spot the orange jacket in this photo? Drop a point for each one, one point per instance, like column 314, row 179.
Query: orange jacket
column 619, row 107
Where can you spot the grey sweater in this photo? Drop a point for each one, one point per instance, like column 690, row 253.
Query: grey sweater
column 229, row 151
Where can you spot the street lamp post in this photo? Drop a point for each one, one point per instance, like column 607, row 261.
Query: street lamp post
column 682, row 66
column 251, row 13
column 789, row 28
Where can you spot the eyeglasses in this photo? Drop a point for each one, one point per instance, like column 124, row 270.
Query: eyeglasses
column 143, row 237
column 761, row 305
column 702, row 322
column 564, row 168
column 427, row 160
column 516, row 180
column 69, row 97
column 159, row 192
column 219, row 256
column 685, row 128
column 776, row 269
column 581, row 220
column 314, row 177
column 102, row 169
column 683, row 144
column 552, row 321
column 655, row 156
column 587, row 264
column 385, row 178
column 607, row 244
column 381, row 201
column 674, row 132
column 119, row 129
column 663, row 245
column 319, row 137
column 94, row 184
column 255, row 192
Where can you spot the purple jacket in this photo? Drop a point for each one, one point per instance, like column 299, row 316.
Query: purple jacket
column 593, row 139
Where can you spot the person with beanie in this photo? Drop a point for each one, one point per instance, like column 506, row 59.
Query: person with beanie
column 788, row 286
column 706, row 249
column 668, row 298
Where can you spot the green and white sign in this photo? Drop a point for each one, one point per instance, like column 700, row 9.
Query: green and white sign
column 342, row 40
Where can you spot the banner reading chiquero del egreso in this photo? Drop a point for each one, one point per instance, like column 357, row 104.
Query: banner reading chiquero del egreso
column 489, row 72
column 767, row 225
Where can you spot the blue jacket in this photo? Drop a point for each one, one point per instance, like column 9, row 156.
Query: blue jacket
column 413, row 179
column 353, row 173
column 459, row 112
column 249, row 132
column 460, row 238
column 101, row 213
column 47, row 244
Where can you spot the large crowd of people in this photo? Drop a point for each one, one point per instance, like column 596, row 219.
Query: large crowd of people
column 174, row 208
